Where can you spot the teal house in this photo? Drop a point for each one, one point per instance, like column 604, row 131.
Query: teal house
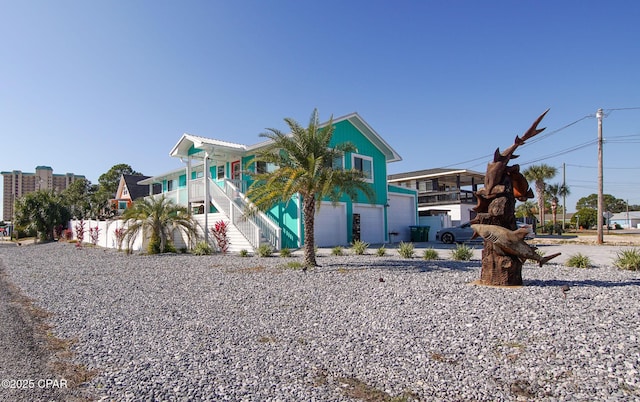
column 216, row 176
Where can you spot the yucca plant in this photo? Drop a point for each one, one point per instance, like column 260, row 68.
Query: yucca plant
column 244, row 253
column 285, row 253
column 337, row 250
column 628, row 259
column 359, row 247
column 462, row 252
column 406, row 250
column 578, row 261
column 430, row 254
column 381, row 252
column 265, row 250
column 202, row 248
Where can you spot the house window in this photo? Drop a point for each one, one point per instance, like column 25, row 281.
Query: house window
column 365, row 165
column 169, row 185
column 122, row 205
column 221, row 172
column 264, row 167
column 337, row 163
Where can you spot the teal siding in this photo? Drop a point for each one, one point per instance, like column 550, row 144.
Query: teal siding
column 182, row 181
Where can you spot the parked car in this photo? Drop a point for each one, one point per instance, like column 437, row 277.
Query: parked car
column 463, row 233
column 456, row 234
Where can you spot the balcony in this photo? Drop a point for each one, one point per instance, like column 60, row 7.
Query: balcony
column 446, row 197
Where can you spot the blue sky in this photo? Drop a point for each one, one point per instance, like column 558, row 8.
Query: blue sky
column 85, row 85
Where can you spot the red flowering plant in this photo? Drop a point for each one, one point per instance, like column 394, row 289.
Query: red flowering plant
column 219, row 232
column 94, row 235
column 79, row 232
column 119, row 233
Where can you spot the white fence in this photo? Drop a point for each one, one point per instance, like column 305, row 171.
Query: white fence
column 106, row 233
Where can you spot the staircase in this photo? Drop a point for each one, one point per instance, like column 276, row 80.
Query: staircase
column 256, row 228
column 237, row 241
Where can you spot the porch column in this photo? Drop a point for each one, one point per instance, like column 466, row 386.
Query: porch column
column 189, row 183
column 205, row 177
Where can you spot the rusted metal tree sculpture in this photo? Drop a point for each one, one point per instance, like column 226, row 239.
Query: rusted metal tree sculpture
column 504, row 247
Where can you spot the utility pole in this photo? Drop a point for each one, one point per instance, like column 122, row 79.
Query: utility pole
column 599, row 116
column 564, row 195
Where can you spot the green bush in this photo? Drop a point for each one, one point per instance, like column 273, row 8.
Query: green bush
column 462, row 252
column 381, row 252
column 337, row 250
column 578, row 261
column 202, row 248
column 628, row 259
column 430, row 254
column 154, row 246
column 406, row 250
column 244, row 253
column 265, row 250
column 359, row 247
column 285, row 253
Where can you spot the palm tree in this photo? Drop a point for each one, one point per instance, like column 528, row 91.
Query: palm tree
column 554, row 191
column 41, row 211
column 538, row 174
column 159, row 216
column 304, row 159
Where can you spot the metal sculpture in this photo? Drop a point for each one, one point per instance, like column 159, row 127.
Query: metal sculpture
column 504, row 247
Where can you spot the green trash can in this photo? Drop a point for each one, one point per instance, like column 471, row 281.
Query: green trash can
column 415, row 233
column 424, row 230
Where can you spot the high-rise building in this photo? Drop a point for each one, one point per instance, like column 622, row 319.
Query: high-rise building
column 18, row 183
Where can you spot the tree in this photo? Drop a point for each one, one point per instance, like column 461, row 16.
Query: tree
column 79, row 198
column 555, row 191
column 41, row 211
column 585, row 217
column 304, row 159
column 611, row 203
column 526, row 210
column 159, row 217
column 538, row 174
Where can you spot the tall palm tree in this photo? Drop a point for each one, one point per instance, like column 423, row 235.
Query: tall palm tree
column 159, row 217
column 304, row 159
column 554, row 191
column 538, row 174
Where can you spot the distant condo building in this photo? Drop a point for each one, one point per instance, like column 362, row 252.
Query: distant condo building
column 18, row 183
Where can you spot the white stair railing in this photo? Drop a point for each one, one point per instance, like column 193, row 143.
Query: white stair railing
column 271, row 232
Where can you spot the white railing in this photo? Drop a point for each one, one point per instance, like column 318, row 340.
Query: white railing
column 268, row 228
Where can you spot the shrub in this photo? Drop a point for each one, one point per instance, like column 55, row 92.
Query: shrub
column 154, row 246
column 79, row 232
column 94, row 235
column 381, row 251
column 406, row 250
column 430, row 254
column 68, row 234
column 295, row 265
column 628, row 259
column 244, row 253
column 578, row 261
column 202, row 248
column 119, row 234
column 359, row 247
column 265, row 250
column 285, row 253
column 462, row 252
column 337, row 250
column 219, row 232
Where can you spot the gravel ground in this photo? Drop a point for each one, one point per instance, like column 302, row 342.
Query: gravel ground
column 182, row 327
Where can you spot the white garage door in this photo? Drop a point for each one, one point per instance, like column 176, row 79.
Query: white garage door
column 330, row 227
column 400, row 215
column 371, row 223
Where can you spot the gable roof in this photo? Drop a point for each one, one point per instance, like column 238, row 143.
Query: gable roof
column 131, row 183
column 190, row 145
column 193, row 145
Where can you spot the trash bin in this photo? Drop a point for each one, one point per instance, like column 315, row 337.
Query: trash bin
column 415, row 232
column 424, row 230
column 419, row 233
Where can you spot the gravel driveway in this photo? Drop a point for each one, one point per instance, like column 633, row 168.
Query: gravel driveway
column 183, row 327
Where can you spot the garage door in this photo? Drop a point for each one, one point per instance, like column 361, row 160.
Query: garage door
column 331, row 225
column 400, row 215
column 371, row 223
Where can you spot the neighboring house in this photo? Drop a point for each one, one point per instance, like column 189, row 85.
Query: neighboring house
column 129, row 190
column 443, row 192
column 627, row 220
column 215, row 179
